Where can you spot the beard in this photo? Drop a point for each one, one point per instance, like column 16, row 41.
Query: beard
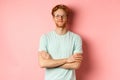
column 61, row 26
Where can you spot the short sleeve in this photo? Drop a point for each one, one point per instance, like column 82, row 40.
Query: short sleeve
column 78, row 45
column 42, row 43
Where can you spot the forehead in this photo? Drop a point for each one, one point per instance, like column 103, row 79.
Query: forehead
column 60, row 11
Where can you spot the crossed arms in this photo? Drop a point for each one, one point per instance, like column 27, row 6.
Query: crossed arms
column 46, row 61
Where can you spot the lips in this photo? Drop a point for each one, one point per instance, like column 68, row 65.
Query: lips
column 60, row 21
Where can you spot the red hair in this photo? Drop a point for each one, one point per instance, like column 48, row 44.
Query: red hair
column 60, row 6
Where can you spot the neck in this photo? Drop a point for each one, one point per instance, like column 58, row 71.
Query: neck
column 61, row 31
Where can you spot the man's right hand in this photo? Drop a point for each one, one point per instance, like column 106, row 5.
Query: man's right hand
column 45, row 55
column 74, row 58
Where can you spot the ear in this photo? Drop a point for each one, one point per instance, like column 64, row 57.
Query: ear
column 53, row 18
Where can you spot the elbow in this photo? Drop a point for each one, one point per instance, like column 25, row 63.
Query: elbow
column 77, row 66
column 42, row 65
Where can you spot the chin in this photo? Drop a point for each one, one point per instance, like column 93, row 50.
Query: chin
column 60, row 26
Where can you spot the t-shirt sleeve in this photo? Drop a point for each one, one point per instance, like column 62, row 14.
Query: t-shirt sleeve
column 78, row 45
column 42, row 43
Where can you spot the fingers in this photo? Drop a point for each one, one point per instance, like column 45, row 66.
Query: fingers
column 45, row 55
column 78, row 57
column 75, row 58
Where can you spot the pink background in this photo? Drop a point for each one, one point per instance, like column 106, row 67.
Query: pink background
column 22, row 22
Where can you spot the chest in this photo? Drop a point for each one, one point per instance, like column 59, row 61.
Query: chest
column 60, row 47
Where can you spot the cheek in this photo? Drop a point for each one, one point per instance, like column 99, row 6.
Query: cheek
column 65, row 20
column 55, row 20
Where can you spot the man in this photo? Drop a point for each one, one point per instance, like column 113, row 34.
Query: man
column 60, row 50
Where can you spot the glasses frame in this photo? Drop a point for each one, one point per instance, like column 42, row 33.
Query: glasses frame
column 60, row 16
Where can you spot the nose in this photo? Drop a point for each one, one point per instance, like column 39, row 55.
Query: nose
column 60, row 17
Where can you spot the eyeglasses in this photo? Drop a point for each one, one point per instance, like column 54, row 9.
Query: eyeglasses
column 60, row 16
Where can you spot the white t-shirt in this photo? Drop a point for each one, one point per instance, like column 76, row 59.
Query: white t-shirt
column 59, row 47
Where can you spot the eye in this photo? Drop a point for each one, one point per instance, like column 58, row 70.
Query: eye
column 60, row 16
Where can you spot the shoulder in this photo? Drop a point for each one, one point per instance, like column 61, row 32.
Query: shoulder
column 74, row 35
column 47, row 33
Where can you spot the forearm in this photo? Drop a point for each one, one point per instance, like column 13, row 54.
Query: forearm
column 51, row 63
column 74, row 65
column 46, row 61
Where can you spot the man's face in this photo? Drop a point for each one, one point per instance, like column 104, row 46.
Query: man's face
column 60, row 18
